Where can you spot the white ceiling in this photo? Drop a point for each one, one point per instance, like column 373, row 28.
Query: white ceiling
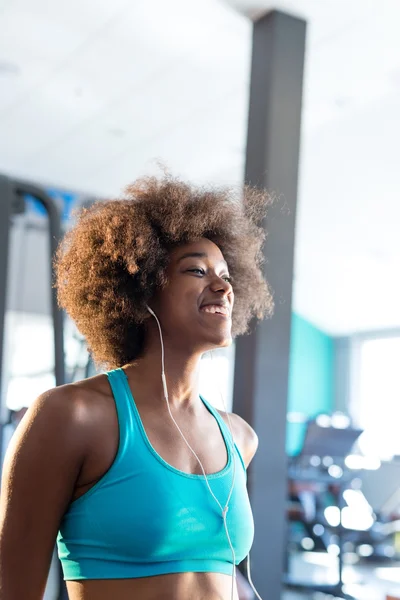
column 92, row 93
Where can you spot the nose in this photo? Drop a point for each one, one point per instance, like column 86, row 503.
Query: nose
column 220, row 285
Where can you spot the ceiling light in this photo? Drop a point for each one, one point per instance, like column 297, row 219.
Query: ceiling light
column 307, row 543
column 365, row 550
column 323, row 420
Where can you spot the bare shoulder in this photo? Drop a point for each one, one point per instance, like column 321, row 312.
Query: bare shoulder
column 245, row 437
column 63, row 415
column 97, row 405
column 71, row 404
column 57, row 408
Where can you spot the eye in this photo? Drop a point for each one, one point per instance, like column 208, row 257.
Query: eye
column 197, row 271
column 227, row 278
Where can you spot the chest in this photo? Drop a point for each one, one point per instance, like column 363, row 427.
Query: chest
column 145, row 511
column 202, row 434
column 197, row 436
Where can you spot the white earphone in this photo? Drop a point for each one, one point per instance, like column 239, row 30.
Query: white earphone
column 224, row 510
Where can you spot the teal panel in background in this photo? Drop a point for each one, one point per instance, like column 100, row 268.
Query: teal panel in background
column 311, row 377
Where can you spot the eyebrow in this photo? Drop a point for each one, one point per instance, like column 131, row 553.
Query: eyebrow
column 197, row 255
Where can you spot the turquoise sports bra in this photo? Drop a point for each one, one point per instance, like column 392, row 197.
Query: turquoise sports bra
column 145, row 517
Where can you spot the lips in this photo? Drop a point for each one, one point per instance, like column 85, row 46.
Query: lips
column 216, row 309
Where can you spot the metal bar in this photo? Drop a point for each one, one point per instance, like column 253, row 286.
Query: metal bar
column 262, row 359
column 54, row 217
column 9, row 191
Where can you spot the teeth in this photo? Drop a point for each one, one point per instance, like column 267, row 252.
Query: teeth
column 223, row 310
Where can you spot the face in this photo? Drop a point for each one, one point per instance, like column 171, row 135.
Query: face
column 196, row 305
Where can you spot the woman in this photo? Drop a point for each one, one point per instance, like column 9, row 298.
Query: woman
column 141, row 478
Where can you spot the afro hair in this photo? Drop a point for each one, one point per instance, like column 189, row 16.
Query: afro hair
column 112, row 261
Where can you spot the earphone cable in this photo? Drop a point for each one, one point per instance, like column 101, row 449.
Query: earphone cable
column 225, row 509
column 248, row 571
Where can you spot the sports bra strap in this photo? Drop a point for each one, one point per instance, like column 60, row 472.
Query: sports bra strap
column 125, row 413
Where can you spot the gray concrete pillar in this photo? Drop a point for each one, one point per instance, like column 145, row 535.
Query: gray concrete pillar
column 262, row 359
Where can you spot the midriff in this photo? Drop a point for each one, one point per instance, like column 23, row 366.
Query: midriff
column 174, row 586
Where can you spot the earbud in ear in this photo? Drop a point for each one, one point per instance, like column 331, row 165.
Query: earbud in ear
column 150, row 311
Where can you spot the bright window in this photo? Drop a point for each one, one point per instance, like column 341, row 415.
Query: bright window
column 376, row 402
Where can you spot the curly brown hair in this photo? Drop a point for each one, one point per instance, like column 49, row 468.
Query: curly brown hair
column 110, row 264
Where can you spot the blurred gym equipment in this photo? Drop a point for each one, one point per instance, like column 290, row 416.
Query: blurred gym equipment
column 318, row 480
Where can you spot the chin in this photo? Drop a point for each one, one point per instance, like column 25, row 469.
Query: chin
column 222, row 341
column 215, row 337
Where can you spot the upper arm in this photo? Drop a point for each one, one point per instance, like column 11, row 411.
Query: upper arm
column 40, row 470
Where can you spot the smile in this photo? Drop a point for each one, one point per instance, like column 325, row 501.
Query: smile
column 216, row 309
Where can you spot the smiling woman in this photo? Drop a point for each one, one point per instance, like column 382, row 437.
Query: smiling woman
column 144, row 481
column 114, row 259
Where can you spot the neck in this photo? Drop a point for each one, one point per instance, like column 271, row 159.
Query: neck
column 181, row 372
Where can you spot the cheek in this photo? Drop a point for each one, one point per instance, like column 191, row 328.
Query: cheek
column 180, row 303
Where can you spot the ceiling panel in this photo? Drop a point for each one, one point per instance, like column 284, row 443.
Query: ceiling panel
column 93, row 93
